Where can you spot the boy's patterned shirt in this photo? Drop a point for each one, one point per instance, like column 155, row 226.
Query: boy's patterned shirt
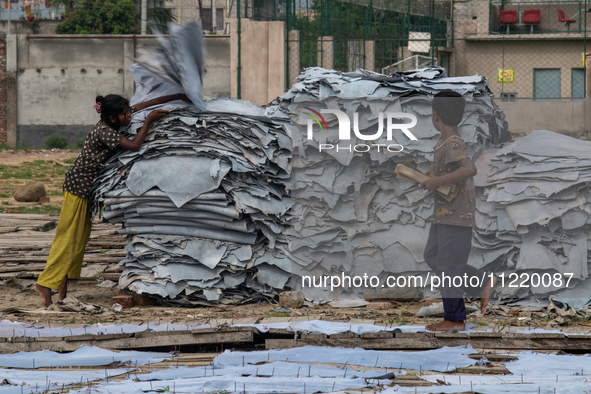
column 98, row 146
column 461, row 210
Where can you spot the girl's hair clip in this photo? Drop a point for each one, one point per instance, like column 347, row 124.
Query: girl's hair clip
column 97, row 106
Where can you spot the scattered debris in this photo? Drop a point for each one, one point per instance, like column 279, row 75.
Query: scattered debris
column 291, row 299
column 436, row 310
column 71, row 304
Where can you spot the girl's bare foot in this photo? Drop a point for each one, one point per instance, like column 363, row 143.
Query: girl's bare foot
column 45, row 294
column 485, row 294
column 447, row 325
column 63, row 289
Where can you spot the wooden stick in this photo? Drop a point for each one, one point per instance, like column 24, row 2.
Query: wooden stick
column 417, row 176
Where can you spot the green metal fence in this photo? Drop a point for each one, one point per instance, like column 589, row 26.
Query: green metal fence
column 541, row 58
column 379, row 35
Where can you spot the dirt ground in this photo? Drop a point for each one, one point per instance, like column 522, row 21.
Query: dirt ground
column 19, row 167
column 20, row 295
column 15, row 157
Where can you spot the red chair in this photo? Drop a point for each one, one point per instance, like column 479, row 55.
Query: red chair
column 562, row 18
column 508, row 17
column 532, row 18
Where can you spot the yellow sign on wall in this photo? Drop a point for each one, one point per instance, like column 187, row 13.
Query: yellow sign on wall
column 506, row 75
column 584, row 58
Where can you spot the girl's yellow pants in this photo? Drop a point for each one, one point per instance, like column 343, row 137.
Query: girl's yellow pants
column 71, row 236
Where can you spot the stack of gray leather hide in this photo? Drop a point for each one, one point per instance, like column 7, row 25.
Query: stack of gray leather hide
column 533, row 205
column 352, row 214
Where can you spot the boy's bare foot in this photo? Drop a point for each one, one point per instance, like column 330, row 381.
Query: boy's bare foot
column 446, row 325
column 63, row 289
column 45, row 294
column 485, row 294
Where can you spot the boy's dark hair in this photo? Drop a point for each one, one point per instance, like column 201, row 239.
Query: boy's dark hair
column 449, row 106
column 112, row 105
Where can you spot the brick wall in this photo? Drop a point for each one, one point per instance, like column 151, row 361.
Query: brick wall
column 3, row 114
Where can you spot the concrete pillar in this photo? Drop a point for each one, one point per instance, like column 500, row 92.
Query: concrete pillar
column 325, row 52
column 128, row 55
column 587, row 112
column 355, row 54
column 293, row 48
column 587, row 77
column 482, row 21
column 276, row 72
column 370, row 55
column 262, row 72
column 214, row 26
column 11, row 97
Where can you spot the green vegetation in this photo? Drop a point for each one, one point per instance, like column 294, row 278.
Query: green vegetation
column 19, row 147
column 79, row 142
column 398, row 322
column 277, row 314
column 111, row 17
column 99, row 17
column 44, row 209
column 36, row 170
column 55, row 142
column 44, row 171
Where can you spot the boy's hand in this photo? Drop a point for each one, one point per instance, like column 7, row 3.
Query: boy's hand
column 156, row 115
column 430, row 184
column 429, row 173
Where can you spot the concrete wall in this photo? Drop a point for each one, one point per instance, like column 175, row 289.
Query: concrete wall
column 58, row 77
column 29, row 27
column 570, row 117
column 476, row 51
column 486, row 57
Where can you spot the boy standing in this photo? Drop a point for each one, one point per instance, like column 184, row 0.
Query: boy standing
column 450, row 237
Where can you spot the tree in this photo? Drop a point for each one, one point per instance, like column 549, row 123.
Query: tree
column 99, row 17
column 111, row 16
column 158, row 16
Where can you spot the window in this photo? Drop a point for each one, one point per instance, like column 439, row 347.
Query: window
column 577, row 82
column 206, row 18
column 546, row 83
column 508, row 97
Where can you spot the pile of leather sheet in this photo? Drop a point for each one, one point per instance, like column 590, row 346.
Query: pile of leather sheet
column 352, row 214
column 533, row 205
column 204, row 198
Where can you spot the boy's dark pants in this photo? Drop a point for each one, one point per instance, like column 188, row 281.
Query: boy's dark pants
column 447, row 252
